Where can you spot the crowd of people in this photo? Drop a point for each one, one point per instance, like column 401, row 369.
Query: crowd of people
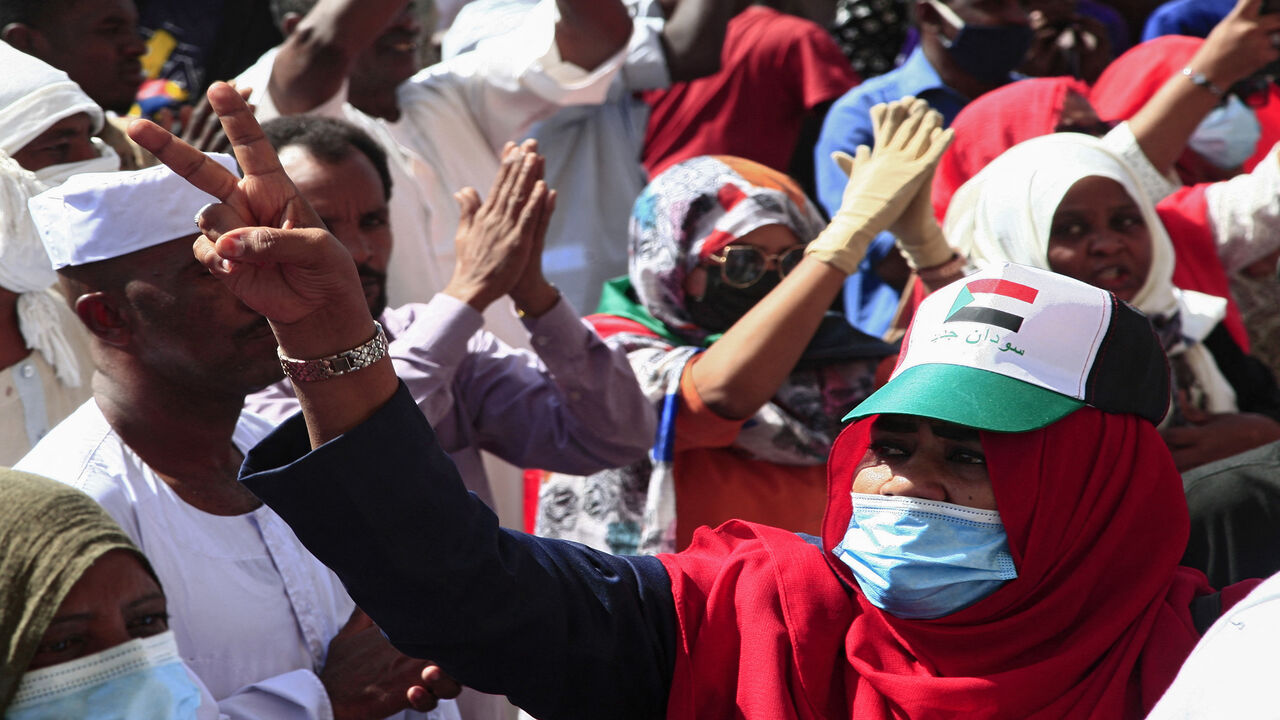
column 639, row 358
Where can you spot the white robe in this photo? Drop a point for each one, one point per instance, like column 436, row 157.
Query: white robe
column 253, row 611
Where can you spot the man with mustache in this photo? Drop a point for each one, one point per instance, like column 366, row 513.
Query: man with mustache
column 575, row 404
column 268, row 630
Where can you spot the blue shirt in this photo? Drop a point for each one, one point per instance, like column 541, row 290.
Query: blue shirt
column 1186, row 17
column 869, row 302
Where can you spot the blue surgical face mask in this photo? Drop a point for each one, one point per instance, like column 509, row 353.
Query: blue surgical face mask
column 987, row 52
column 1228, row 135
column 921, row 559
column 139, row 679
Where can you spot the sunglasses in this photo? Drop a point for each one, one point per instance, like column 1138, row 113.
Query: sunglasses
column 742, row 266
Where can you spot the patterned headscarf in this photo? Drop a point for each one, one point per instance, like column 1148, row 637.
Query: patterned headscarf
column 49, row 536
column 693, row 210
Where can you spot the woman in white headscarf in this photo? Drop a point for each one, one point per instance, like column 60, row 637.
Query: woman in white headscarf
column 1067, row 203
column 46, row 128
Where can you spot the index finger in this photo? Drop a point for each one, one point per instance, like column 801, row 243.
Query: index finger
column 192, row 165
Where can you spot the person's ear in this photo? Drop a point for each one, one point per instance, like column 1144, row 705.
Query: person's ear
column 103, row 318
column 23, row 37
column 290, row 23
column 695, row 284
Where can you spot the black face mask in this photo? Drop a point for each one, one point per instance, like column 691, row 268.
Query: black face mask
column 723, row 305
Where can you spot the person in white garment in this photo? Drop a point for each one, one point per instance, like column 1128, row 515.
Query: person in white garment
column 267, row 629
column 572, row 402
column 593, row 151
column 444, row 126
column 46, row 124
column 1231, row 673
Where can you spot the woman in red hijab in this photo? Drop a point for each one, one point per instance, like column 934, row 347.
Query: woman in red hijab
column 1002, row 540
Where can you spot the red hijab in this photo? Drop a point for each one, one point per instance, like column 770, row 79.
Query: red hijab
column 995, row 122
column 1096, row 624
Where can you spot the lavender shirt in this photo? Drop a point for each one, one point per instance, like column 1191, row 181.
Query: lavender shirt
column 573, row 407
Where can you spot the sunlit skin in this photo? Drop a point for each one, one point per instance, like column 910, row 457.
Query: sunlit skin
column 1098, row 236
column 772, row 239
column 66, row 141
column 116, row 600
column 918, row 457
column 349, row 197
column 389, row 61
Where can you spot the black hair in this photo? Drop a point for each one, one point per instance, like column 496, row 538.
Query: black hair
column 35, row 13
column 329, row 140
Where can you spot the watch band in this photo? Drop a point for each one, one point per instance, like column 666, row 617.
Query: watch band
column 347, row 361
column 1201, row 80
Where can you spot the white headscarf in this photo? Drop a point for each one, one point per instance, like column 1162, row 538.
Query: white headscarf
column 33, row 96
column 1005, row 213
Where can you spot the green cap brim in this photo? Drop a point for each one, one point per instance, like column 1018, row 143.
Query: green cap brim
column 968, row 396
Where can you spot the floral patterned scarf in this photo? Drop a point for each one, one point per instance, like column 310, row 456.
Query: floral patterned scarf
column 688, row 212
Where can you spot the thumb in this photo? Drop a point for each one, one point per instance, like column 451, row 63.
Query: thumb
column 468, row 203
column 844, row 161
column 303, row 247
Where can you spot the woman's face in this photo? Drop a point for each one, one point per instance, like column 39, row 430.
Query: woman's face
column 928, row 459
column 1098, row 236
column 116, row 600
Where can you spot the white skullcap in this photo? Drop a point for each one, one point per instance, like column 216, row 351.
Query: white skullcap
column 99, row 216
column 34, row 96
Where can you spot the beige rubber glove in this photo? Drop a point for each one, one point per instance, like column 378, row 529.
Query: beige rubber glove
column 883, row 182
column 918, row 233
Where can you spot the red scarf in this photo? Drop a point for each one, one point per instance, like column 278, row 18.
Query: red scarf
column 995, row 122
column 1095, row 625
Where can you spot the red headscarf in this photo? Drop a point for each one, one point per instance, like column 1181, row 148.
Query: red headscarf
column 1134, row 77
column 995, row 122
column 1096, row 624
column 1124, row 87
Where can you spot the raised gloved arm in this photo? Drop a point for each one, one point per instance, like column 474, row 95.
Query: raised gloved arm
column 884, row 181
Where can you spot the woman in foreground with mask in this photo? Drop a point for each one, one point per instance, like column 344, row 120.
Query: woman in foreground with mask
column 83, row 624
column 750, row 375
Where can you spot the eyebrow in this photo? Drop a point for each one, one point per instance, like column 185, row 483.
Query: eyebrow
column 907, row 424
column 145, row 599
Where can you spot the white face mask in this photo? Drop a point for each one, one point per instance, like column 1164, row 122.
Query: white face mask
column 142, row 678
column 1228, row 135
column 106, row 161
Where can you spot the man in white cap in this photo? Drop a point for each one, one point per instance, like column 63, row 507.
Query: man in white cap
column 443, row 127
column 46, row 127
column 267, row 628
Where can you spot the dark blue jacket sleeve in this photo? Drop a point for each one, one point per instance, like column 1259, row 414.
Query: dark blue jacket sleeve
column 563, row 630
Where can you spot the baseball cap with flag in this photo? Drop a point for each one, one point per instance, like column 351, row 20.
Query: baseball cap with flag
column 1014, row 348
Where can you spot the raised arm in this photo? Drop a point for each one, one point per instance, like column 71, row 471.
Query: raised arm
column 591, row 31
column 1236, row 47
column 321, row 47
column 693, row 36
column 743, row 369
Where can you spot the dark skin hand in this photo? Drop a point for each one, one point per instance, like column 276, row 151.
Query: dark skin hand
column 198, row 124
column 1214, row 437
column 363, row 673
column 500, row 240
